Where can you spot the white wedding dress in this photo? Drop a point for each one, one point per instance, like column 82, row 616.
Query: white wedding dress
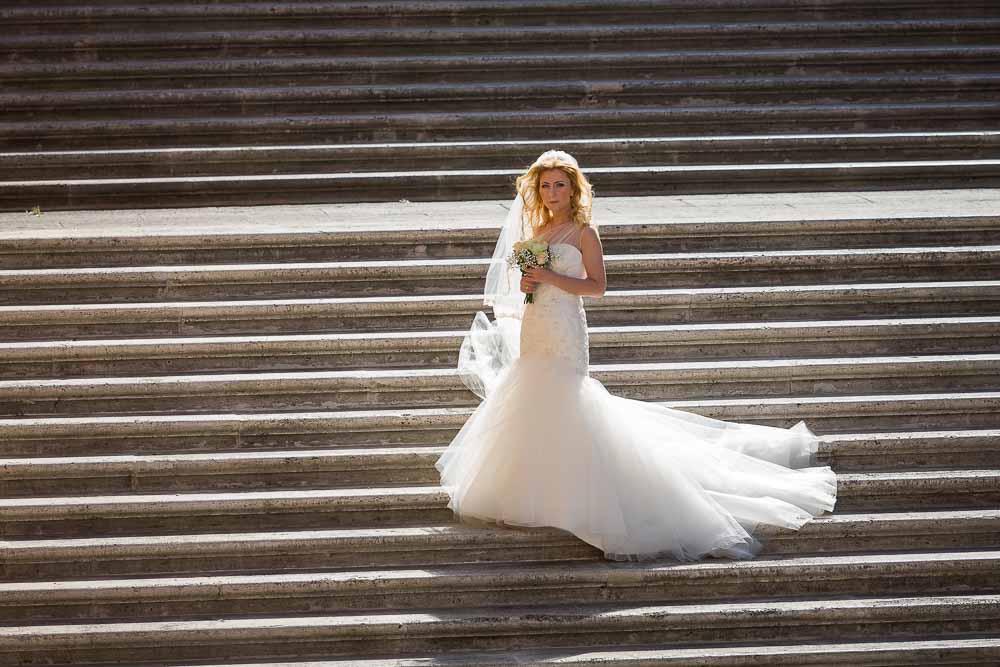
column 550, row 446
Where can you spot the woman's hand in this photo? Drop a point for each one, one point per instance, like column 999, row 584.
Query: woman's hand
column 532, row 278
column 538, row 274
column 528, row 285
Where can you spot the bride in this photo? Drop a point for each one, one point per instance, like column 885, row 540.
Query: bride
column 550, row 446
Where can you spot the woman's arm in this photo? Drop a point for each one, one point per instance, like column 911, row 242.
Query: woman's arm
column 596, row 281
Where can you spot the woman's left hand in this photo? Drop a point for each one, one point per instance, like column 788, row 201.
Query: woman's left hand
column 538, row 274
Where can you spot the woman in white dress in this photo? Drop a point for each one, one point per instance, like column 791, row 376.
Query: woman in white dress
column 550, row 446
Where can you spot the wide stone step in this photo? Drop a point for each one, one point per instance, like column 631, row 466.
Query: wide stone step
column 761, row 31
column 48, row 437
column 521, row 627
column 861, row 654
column 447, row 542
column 33, row 559
column 371, row 466
column 151, row 514
column 732, row 222
column 172, row 102
column 910, row 449
column 413, row 388
column 103, row 164
column 412, row 230
column 312, row 468
column 355, row 468
column 244, row 15
column 439, row 349
column 457, row 276
column 491, row 585
column 491, row 125
column 438, row 312
column 880, row 654
column 484, row 184
column 123, row 74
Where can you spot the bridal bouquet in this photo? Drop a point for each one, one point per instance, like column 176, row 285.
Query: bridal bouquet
column 528, row 254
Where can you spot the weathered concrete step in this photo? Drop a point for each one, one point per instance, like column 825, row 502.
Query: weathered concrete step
column 906, row 618
column 28, row 18
column 683, row 217
column 438, row 312
column 27, row 560
column 32, row 560
column 955, row 652
column 842, row 532
column 372, row 466
column 418, row 68
column 159, row 237
column 918, row 489
column 457, row 276
column 472, row 585
column 442, row 156
column 342, row 468
column 911, row 449
column 439, row 349
column 93, row 516
column 683, row 92
column 416, row 388
column 759, row 32
column 485, row 184
column 135, row 514
column 492, row 125
column 134, row 434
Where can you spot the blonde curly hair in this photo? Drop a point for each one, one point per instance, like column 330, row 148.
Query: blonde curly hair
column 528, row 185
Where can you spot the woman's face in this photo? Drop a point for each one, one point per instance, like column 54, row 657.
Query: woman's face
column 556, row 190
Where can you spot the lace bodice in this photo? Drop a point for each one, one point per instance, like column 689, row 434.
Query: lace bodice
column 555, row 324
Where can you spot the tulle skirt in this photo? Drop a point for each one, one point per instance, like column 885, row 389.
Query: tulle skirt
column 551, row 447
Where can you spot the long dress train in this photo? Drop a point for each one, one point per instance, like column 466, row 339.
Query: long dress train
column 550, row 446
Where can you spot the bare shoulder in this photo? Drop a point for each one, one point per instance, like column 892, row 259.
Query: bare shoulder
column 590, row 245
column 589, row 234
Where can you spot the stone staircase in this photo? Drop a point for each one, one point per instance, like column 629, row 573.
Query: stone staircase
column 155, row 104
column 219, row 428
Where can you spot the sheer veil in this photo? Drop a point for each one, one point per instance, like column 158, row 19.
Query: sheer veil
column 491, row 347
